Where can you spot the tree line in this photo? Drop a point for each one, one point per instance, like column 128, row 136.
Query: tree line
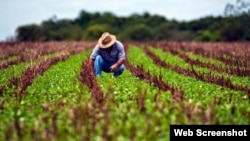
column 232, row 26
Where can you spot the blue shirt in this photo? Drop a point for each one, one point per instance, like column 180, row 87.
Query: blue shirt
column 116, row 53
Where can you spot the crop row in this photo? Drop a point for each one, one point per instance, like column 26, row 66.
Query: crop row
column 22, row 82
column 207, row 77
column 66, row 102
column 27, row 51
column 193, row 89
column 233, row 54
column 240, row 71
column 45, row 100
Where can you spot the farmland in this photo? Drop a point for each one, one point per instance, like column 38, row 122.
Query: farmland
column 47, row 92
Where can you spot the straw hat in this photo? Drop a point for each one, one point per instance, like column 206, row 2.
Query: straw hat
column 106, row 40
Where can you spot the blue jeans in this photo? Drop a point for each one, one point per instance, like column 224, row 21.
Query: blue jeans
column 101, row 65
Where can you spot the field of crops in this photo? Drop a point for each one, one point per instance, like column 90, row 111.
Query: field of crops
column 47, row 92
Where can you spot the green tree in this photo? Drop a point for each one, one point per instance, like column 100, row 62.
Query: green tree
column 84, row 18
column 162, row 32
column 93, row 32
column 232, row 30
column 28, row 32
column 140, row 32
column 154, row 20
column 208, row 35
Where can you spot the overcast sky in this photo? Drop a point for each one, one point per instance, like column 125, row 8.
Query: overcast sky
column 14, row 13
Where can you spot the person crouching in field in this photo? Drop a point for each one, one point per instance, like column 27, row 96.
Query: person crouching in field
column 108, row 56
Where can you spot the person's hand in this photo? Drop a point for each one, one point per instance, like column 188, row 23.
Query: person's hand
column 113, row 67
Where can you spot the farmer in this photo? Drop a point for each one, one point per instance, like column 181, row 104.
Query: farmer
column 108, row 56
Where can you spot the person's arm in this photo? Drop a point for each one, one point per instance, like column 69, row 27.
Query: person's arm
column 121, row 56
column 116, row 65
